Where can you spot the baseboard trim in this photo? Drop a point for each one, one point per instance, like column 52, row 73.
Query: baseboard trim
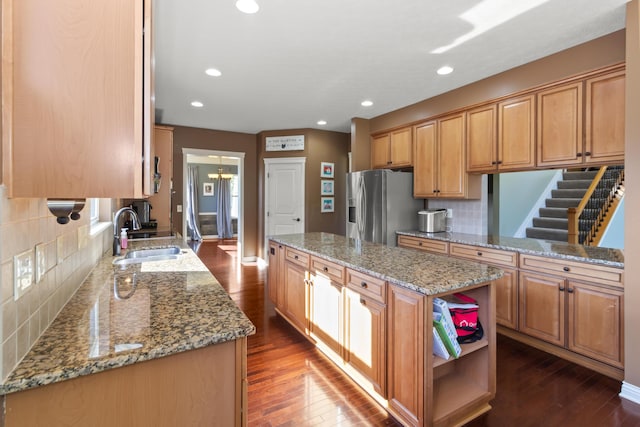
column 630, row 392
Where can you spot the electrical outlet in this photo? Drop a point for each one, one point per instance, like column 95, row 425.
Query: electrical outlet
column 22, row 273
column 449, row 213
column 41, row 261
column 178, row 208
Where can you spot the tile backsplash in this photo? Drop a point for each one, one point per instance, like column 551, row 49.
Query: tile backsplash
column 70, row 254
column 469, row 216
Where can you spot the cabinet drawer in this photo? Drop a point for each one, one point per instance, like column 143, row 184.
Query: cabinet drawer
column 475, row 253
column 330, row 269
column 436, row 246
column 573, row 270
column 297, row 257
column 366, row 285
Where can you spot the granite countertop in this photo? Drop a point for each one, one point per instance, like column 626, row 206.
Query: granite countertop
column 548, row 248
column 174, row 306
column 428, row 274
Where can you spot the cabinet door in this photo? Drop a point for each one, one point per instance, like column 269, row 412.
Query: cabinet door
column 325, row 312
column 516, row 133
column 507, row 298
column 604, row 136
column 482, row 139
column 365, row 338
column 401, row 150
column 425, row 161
column 542, row 307
column 79, row 128
column 451, row 160
column 295, row 298
column 380, row 151
column 596, row 322
column 406, row 353
column 560, row 125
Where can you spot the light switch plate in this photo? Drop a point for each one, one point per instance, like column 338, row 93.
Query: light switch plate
column 178, row 208
column 41, row 261
column 22, row 273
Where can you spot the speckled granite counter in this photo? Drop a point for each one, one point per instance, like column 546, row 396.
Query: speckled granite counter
column 422, row 272
column 549, row 248
column 127, row 314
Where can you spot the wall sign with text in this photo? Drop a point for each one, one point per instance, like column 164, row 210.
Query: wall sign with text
column 284, row 143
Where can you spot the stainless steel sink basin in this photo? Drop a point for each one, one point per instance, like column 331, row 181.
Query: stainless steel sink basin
column 150, row 254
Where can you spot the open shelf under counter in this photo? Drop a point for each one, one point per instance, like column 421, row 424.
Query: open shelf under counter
column 466, row 350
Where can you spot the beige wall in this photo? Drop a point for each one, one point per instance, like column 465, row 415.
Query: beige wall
column 71, row 253
column 632, row 197
column 319, row 146
column 207, row 139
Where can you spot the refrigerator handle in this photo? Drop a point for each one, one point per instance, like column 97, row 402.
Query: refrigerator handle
column 361, row 207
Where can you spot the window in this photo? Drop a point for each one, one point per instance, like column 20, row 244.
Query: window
column 94, row 211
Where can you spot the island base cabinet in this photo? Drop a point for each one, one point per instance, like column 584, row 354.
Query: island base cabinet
column 444, row 392
column 207, row 386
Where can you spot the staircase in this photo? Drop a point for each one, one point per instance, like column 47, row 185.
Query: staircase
column 552, row 224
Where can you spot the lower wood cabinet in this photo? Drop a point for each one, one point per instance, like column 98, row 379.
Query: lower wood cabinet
column 582, row 317
column 295, row 295
column 326, row 318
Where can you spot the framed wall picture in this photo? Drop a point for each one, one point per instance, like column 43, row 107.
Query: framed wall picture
column 326, row 204
column 326, row 187
column 326, row 170
column 207, row 189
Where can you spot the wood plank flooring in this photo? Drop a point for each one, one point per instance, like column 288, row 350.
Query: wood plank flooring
column 292, row 384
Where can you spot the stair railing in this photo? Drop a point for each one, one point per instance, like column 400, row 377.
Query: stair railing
column 586, row 230
column 573, row 214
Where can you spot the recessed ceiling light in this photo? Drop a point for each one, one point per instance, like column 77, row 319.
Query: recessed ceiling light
column 366, row 103
column 444, row 70
column 213, row 72
column 247, row 6
column 322, row 122
column 197, row 104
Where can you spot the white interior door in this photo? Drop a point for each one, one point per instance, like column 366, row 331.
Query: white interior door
column 284, row 195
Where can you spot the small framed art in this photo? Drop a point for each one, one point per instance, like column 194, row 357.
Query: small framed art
column 326, row 170
column 207, row 189
column 326, row 187
column 326, row 204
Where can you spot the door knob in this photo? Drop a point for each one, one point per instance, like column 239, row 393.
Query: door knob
column 296, row 219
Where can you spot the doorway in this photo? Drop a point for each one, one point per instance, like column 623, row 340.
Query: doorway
column 284, row 196
column 211, row 166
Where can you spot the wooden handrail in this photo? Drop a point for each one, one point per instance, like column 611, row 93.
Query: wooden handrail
column 573, row 214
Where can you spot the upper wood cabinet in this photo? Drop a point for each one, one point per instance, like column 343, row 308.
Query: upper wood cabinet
column 560, row 125
column 76, row 97
column 439, row 160
column 565, row 140
column 501, row 136
column 604, row 127
column 393, row 149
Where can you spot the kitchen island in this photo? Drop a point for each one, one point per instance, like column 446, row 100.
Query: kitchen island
column 157, row 343
column 368, row 307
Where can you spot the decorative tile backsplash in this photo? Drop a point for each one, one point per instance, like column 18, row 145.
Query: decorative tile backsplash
column 469, row 216
column 25, row 224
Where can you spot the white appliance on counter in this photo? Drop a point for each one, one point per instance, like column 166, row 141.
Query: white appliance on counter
column 379, row 203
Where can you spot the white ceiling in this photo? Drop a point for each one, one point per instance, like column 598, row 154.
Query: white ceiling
column 299, row 61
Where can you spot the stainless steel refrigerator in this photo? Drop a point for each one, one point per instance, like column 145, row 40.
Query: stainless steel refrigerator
column 380, row 202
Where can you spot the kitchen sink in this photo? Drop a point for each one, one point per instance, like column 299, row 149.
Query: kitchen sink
column 149, row 254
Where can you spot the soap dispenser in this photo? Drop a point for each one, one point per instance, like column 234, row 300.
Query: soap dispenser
column 123, row 238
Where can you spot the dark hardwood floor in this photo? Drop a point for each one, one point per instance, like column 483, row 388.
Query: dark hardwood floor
column 293, row 384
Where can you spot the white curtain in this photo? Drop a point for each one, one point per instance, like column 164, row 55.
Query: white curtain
column 225, row 230
column 193, row 229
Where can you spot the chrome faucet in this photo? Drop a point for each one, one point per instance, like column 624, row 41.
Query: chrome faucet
column 135, row 225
